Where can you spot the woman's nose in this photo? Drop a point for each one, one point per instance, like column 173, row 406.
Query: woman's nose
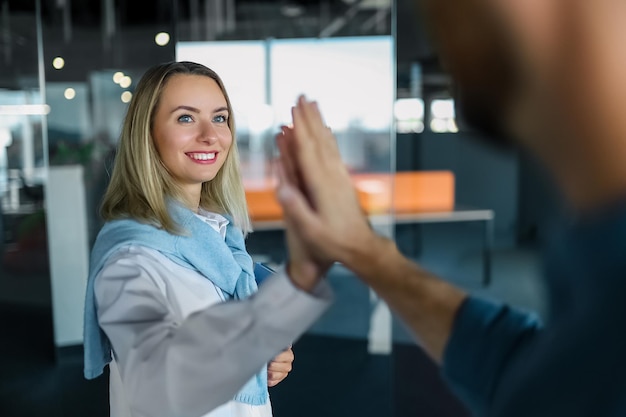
column 208, row 133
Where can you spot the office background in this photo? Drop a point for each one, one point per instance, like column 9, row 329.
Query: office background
column 67, row 72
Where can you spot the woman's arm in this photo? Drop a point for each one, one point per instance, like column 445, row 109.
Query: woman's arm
column 175, row 365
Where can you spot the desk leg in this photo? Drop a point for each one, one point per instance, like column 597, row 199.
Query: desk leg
column 379, row 338
column 487, row 249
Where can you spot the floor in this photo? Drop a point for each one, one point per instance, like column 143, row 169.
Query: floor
column 334, row 375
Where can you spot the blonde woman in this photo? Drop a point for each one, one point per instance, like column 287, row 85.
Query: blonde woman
column 169, row 303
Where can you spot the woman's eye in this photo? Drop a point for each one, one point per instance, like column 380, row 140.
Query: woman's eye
column 185, row 118
column 220, row 118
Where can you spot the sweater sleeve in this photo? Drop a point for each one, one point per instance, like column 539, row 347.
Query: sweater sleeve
column 486, row 335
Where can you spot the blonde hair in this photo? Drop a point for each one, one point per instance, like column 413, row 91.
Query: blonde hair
column 140, row 184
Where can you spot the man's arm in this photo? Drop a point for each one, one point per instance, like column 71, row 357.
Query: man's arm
column 427, row 304
column 326, row 219
column 474, row 340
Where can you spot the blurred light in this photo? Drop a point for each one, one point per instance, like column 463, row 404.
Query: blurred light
column 291, row 10
column 126, row 81
column 69, row 93
column 442, row 109
column 409, row 114
column 409, row 126
column 443, row 116
column 126, row 96
column 451, row 126
column 438, row 125
column 162, row 38
column 25, row 109
column 409, row 108
column 117, row 77
column 58, row 63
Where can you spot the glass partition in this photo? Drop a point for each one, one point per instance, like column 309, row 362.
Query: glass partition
column 68, row 70
column 23, row 159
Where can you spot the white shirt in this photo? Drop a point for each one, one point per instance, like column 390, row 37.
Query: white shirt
column 178, row 349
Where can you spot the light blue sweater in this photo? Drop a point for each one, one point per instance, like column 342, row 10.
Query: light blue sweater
column 223, row 261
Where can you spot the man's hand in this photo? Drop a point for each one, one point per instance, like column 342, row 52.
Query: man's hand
column 316, row 192
column 325, row 223
column 279, row 367
column 304, row 271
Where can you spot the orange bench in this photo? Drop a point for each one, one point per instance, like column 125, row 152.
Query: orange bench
column 406, row 192
column 261, row 199
column 402, row 192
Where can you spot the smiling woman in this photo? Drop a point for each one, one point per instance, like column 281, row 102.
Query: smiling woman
column 171, row 257
column 180, row 113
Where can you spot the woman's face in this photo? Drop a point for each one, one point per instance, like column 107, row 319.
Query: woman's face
column 191, row 132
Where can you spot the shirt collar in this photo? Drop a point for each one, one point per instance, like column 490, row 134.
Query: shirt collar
column 215, row 220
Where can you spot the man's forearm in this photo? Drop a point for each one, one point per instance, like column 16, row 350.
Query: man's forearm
column 427, row 304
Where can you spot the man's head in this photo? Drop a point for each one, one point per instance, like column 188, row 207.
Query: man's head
column 492, row 49
column 549, row 73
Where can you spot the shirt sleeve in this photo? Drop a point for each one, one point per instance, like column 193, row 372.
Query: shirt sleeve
column 174, row 365
column 485, row 338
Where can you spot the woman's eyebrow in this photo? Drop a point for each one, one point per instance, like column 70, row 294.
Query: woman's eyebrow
column 219, row 109
column 195, row 110
column 189, row 108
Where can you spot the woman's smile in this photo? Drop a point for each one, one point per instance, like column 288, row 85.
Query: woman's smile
column 203, row 157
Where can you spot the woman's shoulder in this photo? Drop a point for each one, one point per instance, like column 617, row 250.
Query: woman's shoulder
column 136, row 254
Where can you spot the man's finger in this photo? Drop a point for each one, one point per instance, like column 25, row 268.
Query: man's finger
column 289, row 172
column 314, row 119
column 316, row 153
column 295, row 205
column 305, row 147
column 299, row 214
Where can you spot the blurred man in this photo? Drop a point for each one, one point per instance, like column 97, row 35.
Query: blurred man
column 550, row 76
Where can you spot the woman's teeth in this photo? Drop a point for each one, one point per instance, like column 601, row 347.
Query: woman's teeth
column 203, row 156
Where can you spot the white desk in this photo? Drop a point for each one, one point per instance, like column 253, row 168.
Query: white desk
column 485, row 216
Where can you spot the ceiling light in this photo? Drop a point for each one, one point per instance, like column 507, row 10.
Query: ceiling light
column 162, row 38
column 291, row 10
column 126, row 81
column 117, row 77
column 126, row 96
column 58, row 63
column 69, row 93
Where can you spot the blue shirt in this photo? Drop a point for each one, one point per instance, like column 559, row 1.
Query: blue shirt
column 503, row 362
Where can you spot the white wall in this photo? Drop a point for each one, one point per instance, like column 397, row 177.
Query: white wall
column 68, row 250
